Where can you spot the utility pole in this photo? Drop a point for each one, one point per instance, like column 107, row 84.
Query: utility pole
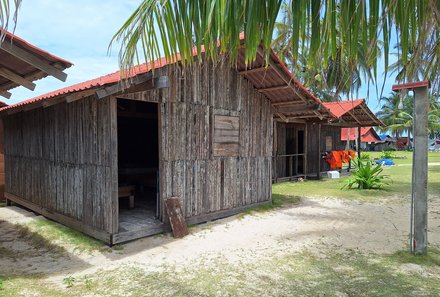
column 419, row 186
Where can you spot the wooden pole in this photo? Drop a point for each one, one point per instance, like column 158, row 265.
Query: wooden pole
column 358, row 145
column 420, row 170
column 306, row 139
column 318, row 175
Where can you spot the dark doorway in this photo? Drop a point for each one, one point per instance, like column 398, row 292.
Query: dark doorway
column 300, row 150
column 138, row 164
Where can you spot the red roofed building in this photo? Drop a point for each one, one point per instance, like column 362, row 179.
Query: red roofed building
column 103, row 156
column 368, row 135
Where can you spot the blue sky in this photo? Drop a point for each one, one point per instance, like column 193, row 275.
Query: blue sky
column 80, row 31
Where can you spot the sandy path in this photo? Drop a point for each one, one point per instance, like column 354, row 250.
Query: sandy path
column 313, row 223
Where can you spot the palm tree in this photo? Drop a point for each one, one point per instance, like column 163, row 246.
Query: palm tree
column 169, row 27
column 400, row 121
column 339, row 76
column 389, row 114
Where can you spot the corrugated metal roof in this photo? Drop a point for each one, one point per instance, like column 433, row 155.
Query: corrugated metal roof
column 368, row 134
column 339, row 108
column 268, row 78
column 21, row 67
column 89, row 84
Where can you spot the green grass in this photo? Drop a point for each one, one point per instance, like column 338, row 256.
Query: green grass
column 296, row 274
column 399, row 182
column 43, row 233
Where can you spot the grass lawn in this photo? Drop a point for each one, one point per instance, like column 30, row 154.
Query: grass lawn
column 399, row 182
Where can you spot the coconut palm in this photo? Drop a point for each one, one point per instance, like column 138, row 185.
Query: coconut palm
column 169, row 27
column 390, row 114
column 339, row 76
column 400, row 121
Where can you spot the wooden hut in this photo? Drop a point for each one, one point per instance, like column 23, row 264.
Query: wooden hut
column 102, row 156
column 302, row 142
column 368, row 137
column 22, row 63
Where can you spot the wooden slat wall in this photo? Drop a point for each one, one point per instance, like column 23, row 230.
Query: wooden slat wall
column 60, row 158
column 337, row 143
column 315, row 144
column 206, row 183
column 2, row 163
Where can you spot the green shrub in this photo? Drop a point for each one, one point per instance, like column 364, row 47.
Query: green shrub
column 365, row 157
column 391, row 149
column 366, row 176
column 387, row 155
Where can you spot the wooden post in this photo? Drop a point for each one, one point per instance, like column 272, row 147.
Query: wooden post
column 275, row 150
column 291, row 166
column 358, row 146
column 420, row 170
column 318, row 175
column 419, row 185
column 305, row 150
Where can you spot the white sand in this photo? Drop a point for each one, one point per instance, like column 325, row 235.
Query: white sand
column 314, row 224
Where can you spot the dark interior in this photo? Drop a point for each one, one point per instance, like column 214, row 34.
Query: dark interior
column 300, row 151
column 138, row 157
column 294, row 145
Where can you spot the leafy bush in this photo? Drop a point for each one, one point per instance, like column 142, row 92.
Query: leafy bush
column 366, row 176
column 391, row 149
column 365, row 157
column 387, row 155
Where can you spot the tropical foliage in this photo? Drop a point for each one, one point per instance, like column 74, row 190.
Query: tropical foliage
column 387, row 155
column 340, row 75
column 366, row 176
column 329, row 27
column 400, row 121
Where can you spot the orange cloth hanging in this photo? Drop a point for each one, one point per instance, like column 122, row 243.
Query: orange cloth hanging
column 336, row 158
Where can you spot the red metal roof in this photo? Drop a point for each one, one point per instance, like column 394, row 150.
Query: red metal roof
column 340, row 108
column 368, row 134
column 100, row 81
column 32, row 47
column 144, row 68
column 16, row 55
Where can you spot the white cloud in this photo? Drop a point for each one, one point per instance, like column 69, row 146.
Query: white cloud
column 78, row 31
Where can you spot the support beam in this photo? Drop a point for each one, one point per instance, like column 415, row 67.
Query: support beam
column 287, row 103
column 358, row 147
column 280, row 114
column 293, row 120
column 33, row 60
column 374, row 119
column 276, row 88
column 281, row 74
column 77, row 96
column 355, row 118
column 298, row 108
column 18, row 79
column 253, row 70
column 5, row 94
column 147, row 79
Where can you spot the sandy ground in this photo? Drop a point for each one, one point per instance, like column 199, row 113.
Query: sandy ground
column 314, row 224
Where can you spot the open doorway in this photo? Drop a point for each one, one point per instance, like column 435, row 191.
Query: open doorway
column 138, row 164
column 300, row 151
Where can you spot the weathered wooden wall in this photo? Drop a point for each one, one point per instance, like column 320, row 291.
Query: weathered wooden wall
column 2, row 163
column 205, row 181
column 316, row 137
column 61, row 158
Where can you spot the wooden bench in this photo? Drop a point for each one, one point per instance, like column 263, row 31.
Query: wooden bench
column 127, row 192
